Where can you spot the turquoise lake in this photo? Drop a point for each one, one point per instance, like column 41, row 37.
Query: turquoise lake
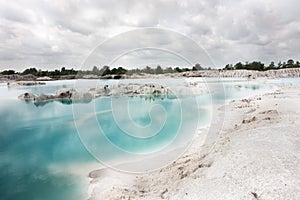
column 42, row 155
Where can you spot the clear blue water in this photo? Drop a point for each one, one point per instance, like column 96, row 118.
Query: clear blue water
column 38, row 144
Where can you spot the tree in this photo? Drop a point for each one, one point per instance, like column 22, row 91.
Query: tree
column 290, row 63
column 197, row 67
column 104, row 71
column 229, row 67
column 158, row 70
column 55, row 73
column 42, row 73
column 169, row 70
column 257, row 65
column 113, row 71
column 148, row 70
column 283, row 65
column 8, row 72
column 239, row 65
column 95, row 70
column 271, row 66
column 177, row 69
column 30, row 71
column 121, row 70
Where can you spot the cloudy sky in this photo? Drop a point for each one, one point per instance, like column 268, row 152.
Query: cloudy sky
column 55, row 33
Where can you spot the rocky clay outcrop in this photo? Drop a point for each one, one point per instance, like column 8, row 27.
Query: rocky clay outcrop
column 281, row 73
column 151, row 90
column 138, row 89
column 64, row 95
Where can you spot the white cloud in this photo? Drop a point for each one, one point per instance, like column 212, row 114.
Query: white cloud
column 49, row 34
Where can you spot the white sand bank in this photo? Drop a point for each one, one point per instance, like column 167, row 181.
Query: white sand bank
column 256, row 157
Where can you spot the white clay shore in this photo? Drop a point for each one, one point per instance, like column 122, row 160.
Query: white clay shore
column 257, row 156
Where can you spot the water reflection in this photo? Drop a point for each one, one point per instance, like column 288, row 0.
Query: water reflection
column 150, row 98
column 62, row 101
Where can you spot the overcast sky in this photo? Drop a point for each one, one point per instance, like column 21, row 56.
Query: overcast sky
column 56, row 33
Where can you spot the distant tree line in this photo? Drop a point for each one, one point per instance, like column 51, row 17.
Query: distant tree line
column 257, row 65
column 41, row 73
column 106, row 70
